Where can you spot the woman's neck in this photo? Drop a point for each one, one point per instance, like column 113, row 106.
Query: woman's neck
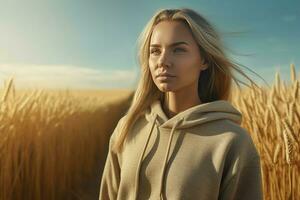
column 174, row 103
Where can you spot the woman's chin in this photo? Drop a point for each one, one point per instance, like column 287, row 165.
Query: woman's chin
column 166, row 87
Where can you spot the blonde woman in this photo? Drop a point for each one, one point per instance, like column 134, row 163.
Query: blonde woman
column 181, row 138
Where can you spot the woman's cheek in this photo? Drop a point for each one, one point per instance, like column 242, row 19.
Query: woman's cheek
column 151, row 67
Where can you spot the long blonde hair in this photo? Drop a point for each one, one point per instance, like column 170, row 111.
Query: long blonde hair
column 214, row 83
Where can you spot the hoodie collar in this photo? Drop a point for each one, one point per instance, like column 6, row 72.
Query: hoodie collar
column 196, row 115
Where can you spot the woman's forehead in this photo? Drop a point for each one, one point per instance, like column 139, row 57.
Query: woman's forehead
column 168, row 32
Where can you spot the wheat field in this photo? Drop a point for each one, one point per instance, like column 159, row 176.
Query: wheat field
column 53, row 144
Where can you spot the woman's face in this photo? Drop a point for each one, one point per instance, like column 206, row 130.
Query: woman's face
column 173, row 50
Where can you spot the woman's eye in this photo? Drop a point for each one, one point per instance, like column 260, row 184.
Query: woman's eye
column 179, row 49
column 154, row 50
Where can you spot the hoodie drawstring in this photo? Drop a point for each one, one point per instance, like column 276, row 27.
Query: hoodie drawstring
column 140, row 160
column 165, row 160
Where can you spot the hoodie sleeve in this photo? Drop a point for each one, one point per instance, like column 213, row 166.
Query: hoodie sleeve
column 242, row 179
column 111, row 173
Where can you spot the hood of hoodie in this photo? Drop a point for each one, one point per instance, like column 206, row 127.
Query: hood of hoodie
column 194, row 116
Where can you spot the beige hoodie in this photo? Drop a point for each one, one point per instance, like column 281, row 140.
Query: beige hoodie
column 202, row 153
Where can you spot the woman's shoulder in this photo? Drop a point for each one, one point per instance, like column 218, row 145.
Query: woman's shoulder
column 227, row 127
column 238, row 137
column 242, row 144
column 241, row 134
column 117, row 128
column 138, row 123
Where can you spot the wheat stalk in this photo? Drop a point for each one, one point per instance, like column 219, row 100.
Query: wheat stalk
column 289, row 160
column 276, row 153
column 295, row 89
column 288, row 147
column 293, row 73
column 8, row 87
column 290, row 132
column 277, row 82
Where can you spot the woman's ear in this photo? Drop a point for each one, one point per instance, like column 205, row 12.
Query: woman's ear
column 204, row 66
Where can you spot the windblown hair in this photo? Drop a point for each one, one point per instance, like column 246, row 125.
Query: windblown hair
column 215, row 83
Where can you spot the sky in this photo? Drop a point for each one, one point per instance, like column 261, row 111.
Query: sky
column 93, row 44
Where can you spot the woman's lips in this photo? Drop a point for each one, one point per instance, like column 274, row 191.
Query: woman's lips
column 165, row 77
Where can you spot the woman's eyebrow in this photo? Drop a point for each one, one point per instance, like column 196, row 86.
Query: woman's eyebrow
column 173, row 44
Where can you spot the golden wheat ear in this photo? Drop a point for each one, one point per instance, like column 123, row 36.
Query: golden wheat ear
column 293, row 72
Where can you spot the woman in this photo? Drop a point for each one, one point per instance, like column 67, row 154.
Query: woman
column 181, row 138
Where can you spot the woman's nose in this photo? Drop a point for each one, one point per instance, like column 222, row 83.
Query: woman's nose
column 164, row 60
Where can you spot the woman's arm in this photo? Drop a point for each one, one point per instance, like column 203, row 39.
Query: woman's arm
column 242, row 178
column 244, row 184
column 111, row 173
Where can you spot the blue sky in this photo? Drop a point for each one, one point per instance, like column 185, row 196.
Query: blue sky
column 92, row 44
